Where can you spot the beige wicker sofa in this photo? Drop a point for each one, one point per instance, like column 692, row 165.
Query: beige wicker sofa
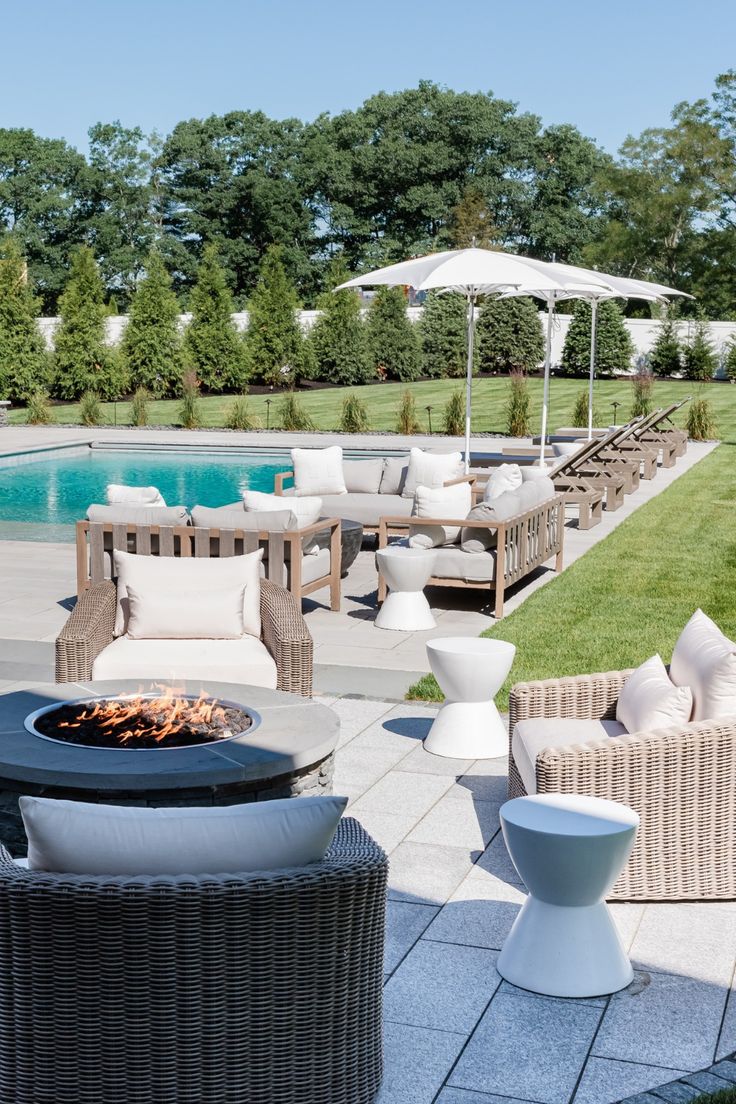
column 681, row 781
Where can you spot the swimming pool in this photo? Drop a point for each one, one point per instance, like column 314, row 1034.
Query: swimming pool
column 42, row 498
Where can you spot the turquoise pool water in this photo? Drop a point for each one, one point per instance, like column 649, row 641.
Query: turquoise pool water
column 41, row 500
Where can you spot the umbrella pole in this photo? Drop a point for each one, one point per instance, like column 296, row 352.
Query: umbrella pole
column 469, row 377
column 547, row 369
column 593, row 312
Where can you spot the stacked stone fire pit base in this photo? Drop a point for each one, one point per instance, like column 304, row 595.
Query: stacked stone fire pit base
column 289, row 754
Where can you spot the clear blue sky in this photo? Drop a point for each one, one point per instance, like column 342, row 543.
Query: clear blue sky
column 611, row 68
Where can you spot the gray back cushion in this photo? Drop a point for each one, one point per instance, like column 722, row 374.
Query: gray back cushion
column 535, row 491
column 138, row 515
column 233, row 517
column 394, row 475
column 363, row 476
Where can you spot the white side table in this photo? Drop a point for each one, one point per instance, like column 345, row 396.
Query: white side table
column 470, row 671
column 406, row 571
column 568, row 850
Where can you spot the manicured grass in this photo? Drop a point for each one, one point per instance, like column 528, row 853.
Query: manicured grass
column 490, row 397
column 630, row 595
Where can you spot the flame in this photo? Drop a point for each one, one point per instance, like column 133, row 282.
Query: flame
column 131, row 718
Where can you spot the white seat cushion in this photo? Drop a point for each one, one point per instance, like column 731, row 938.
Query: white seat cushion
column 533, row 736
column 245, row 660
column 705, row 660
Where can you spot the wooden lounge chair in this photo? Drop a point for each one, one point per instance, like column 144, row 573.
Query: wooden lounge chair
column 657, row 431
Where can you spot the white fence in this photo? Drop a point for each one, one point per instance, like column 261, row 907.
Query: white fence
column 643, row 331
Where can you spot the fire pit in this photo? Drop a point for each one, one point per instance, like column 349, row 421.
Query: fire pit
column 263, row 744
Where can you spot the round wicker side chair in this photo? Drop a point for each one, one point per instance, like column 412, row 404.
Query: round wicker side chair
column 261, row 988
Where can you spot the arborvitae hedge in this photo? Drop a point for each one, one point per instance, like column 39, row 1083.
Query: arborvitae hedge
column 275, row 344
column 393, row 343
column 509, row 335
column 24, row 362
column 214, row 350
column 152, row 343
column 82, row 361
column 338, row 337
column 613, row 347
column 443, row 335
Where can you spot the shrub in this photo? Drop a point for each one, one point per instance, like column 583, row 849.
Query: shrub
column 292, row 414
column 90, row 409
column 152, row 344
column 214, row 349
column 665, row 357
column 613, row 345
column 701, row 423
column 407, row 421
column 518, row 409
column 190, row 410
column 38, row 409
column 354, row 418
column 580, row 411
column 700, row 360
column 454, row 415
column 443, row 335
column 82, row 360
column 239, row 415
column 337, row 340
column 393, row 343
column 509, row 335
column 643, row 387
column 139, row 407
column 729, row 360
column 274, row 340
column 24, row 363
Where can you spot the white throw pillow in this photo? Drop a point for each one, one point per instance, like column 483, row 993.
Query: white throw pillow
column 185, row 578
column 306, row 510
column 75, row 837
column 318, row 471
column 649, row 699
column 439, row 502
column 705, row 660
column 505, row 478
column 116, row 493
column 534, row 471
column 431, row 469
column 155, row 614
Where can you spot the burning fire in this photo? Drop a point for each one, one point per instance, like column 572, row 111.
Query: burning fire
column 128, row 719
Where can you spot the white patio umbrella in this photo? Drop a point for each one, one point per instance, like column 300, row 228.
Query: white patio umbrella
column 472, row 272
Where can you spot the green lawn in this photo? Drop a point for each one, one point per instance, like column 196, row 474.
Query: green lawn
column 489, row 402
column 630, row 595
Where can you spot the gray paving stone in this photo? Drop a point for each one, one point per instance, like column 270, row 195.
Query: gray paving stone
column 480, row 911
column 417, row 1061
column 388, row 829
column 727, row 1040
column 459, row 823
column 605, row 1081
column 707, row 1082
column 426, row 872
column 725, row 1069
column 671, row 1021
column 467, row 1096
column 496, row 861
column 483, row 787
column 405, row 922
column 356, row 714
column 411, row 793
column 696, row 939
column 442, row 985
column 423, row 762
column 528, row 1047
column 362, row 767
column 675, row 1092
column 627, row 917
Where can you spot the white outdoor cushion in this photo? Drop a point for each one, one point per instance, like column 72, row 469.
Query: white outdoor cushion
column 533, row 471
column 237, row 517
column 567, row 448
column 246, row 660
column 132, row 514
column 363, row 476
column 75, row 837
column 318, row 471
column 505, row 478
column 430, row 469
column 439, row 502
column 306, row 510
column 212, row 614
column 116, row 493
column 395, row 471
column 190, row 576
column 705, row 660
column 649, row 699
column 531, row 737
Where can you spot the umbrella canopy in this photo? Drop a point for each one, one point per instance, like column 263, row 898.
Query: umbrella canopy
column 472, row 272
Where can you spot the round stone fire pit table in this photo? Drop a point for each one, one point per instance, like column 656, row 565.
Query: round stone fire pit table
column 289, row 753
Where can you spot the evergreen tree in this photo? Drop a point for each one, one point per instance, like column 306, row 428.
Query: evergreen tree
column 700, row 359
column 23, row 357
column 393, row 343
column 471, row 222
column 213, row 349
column 274, row 340
column 665, row 356
column 443, row 335
column 613, row 346
column 338, row 338
column 509, row 335
column 729, row 360
column 151, row 343
column 82, row 361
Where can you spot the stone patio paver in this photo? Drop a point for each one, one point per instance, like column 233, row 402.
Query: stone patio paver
column 417, row 1061
column 607, row 1079
column 444, row 987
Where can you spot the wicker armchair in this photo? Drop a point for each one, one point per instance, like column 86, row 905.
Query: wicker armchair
column 260, row 988
column 681, row 781
column 89, row 629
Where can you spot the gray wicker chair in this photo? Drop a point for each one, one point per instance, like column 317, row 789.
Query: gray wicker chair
column 260, row 988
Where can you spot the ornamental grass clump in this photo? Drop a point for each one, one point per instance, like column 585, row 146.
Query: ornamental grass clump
column 354, row 417
column 701, row 422
column 643, row 388
column 407, row 421
column 190, row 410
column 580, row 411
column 239, row 415
column 139, row 407
column 38, row 409
column 453, row 415
column 90, row 409
column 518, row 409
column 292, row 414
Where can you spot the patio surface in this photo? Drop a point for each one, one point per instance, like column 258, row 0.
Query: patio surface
column 455, row 1033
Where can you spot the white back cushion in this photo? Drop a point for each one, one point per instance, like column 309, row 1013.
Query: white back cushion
column 649, row 699
column 505, row 478
column 363, row 476
column 212, row 614
column 705, row 660
column 116, row 493
column 533, row 471
column 74, row 837
column 306, row 510
column 318, row 471
column 439, row 502
column 189, row 578
column 431, row 469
